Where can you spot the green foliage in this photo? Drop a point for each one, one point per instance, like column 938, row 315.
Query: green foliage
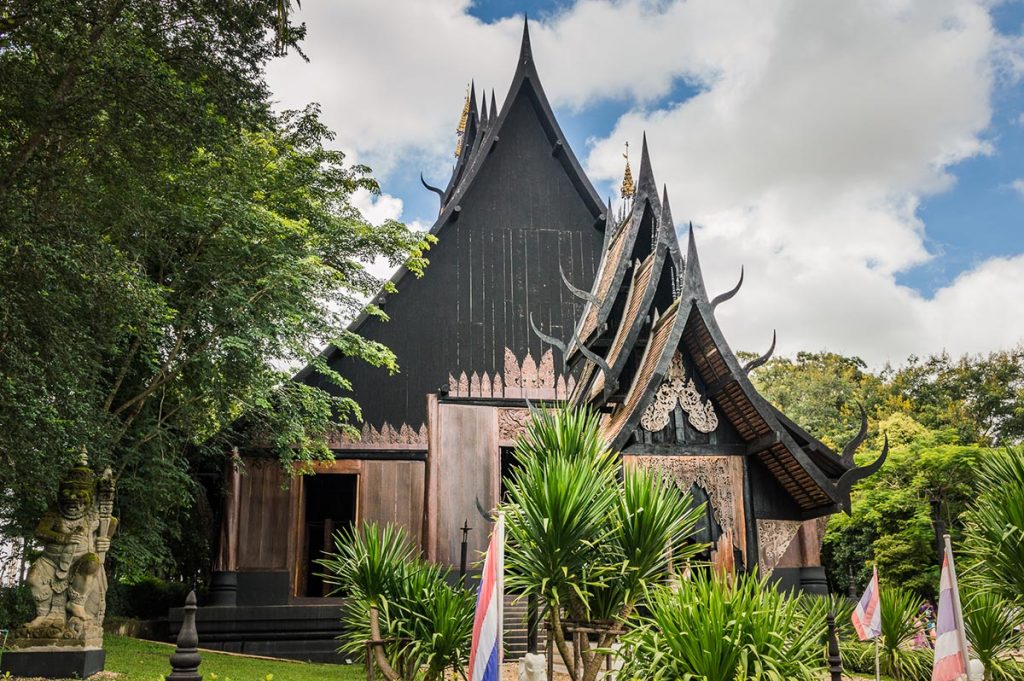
column 394, row 596
column 821, row 391
column 16, row 606
column 586, row 543
column 167, row 247
column 995, row 630
column 980, row 398
column 900, row 612
column 712, row 630
column 891, row 518
column 897, row 656
column 148, row 598
column 995, row 525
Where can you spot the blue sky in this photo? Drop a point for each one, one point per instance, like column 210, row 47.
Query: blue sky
column 859, row 159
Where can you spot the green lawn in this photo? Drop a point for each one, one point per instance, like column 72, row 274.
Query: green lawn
column 137, row 660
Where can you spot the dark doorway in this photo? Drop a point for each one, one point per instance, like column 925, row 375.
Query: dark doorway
column 330, row 506
column 508, row 462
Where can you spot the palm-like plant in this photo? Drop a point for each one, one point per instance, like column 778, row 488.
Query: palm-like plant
column 715, row 630
column 397, row 598
column 584, row 542
column 993, row 630
column 995, row 525
column 900, row 610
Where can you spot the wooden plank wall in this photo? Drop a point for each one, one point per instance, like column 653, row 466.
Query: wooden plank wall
column 467, row 465
column 263, row 528
column 392, row 492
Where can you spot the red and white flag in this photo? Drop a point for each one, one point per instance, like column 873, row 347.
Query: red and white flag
column 867, row 618
column 485, row 653
column 950, row 642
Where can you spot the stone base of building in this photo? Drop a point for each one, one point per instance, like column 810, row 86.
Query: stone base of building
column 53, row 663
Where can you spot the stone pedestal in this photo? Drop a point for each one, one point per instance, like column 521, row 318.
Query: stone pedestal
column 52, row 662
column 223, row 589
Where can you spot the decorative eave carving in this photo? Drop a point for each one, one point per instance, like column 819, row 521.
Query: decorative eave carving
column 388, row 437
column 678, row 388
column 526, row 379
column 773, row 539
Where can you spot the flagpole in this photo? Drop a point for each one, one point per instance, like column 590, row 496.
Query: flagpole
column 958, row 611
column 500, row 575
column 878, row 673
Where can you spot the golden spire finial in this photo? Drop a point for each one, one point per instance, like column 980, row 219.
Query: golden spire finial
column 628, row 190
column 461, row 130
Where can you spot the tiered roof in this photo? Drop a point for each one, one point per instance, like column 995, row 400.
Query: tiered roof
column 632, row 329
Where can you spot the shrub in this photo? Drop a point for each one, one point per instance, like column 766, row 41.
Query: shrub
column 897, row 658
column 995, row 525
column 712, row 630
column 146, row 599
column 993, row 630
column 16, row 606
column 394, row 596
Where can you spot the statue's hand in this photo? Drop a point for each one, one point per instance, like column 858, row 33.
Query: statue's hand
column 102, row 544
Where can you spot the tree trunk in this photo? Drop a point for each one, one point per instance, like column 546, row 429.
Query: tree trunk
column 563, row 650
column 378, row 651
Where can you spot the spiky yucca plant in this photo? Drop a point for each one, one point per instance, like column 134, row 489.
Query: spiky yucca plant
column 584, row 541
column 714, row 629
column 995, row 525
column 394, row 596
column 900, row 613
column 994, row 631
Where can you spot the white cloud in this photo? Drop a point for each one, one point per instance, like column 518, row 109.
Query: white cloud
column 1018, row 185
column 819, row 128
column 805, row 158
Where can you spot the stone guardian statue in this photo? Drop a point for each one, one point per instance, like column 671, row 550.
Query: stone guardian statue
column 68, row 581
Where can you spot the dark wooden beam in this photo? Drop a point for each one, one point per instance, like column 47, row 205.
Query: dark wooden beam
column 763, row 443
column 642, row 449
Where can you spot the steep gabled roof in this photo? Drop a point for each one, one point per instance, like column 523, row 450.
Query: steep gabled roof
column 477, row 142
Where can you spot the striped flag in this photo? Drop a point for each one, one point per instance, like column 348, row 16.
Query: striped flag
column 485, row 655
column 950, row 643
column 867, row 618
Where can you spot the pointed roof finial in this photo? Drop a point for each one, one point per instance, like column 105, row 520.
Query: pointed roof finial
column 484, row 118
column 463, row 119
column 628, row 189
column 645, row 178
column 494, row 106
column 525, row 50
column 666, row 211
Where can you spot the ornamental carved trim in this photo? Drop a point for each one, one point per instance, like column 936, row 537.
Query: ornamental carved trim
column 678, row 388
column 527, row 378
column 404, row 436
column 512, row 422
column 709, row 472
column 773, row 538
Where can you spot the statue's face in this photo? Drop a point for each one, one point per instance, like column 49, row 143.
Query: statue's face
column 73, row 502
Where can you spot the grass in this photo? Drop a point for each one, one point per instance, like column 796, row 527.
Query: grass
column 133, row 659
column 137, row 660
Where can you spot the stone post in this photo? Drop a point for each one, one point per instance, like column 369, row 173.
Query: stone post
column 835, row 660
column 185, row 660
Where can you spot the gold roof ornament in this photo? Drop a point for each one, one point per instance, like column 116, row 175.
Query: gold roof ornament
column 461, row 130
column 627, row 190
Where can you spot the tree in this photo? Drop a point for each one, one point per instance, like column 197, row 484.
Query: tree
column 587, row 545
column 980, row 397
column 891, row 520
column 821, row 391
column 167, row 248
